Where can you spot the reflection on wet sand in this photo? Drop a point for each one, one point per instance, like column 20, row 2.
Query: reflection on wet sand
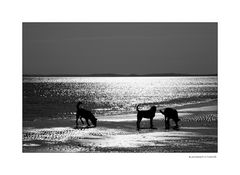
column 198, row 133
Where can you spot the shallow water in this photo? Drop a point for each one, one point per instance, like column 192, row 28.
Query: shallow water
column 56, row 97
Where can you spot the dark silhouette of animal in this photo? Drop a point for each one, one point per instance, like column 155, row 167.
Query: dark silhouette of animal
column 170, row 113
column 87, row 115
column 149, row 114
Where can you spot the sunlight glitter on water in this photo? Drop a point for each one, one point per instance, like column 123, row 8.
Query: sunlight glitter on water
column 113, row 95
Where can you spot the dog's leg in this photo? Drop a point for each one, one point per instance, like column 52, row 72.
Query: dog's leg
column 77, row 117
column 81, row 120
column 138, row 123
column 165, row 120
column 176, row 122
column 151, row 123
column 167, row 124
column 87, row 122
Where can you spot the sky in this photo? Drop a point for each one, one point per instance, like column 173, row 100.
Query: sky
column 121, row 48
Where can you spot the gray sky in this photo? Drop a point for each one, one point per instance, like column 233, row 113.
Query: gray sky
column 138, row 48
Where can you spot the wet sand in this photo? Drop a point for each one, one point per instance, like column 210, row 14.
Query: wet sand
column 198, row 133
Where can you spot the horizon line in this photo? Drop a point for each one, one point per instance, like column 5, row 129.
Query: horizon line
column 115, row 75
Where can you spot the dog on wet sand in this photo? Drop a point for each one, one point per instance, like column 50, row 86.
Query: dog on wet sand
column 87, row 115
column 170, row 113
column 149, row 114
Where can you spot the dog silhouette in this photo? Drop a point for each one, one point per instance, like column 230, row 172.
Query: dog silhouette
column 87, row 115
column 170, row 113
column 149, row 114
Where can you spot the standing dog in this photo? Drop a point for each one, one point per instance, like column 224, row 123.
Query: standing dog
column 150, row 114
column 170, row 113
column 82, row 113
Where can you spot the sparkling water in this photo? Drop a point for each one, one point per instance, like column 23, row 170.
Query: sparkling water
column 56, row 97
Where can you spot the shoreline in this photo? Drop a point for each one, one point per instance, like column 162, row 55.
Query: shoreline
column 117, row 133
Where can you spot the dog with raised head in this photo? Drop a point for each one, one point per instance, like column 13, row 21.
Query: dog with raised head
column 87, row 115
column 170, row 113
column 149, row 114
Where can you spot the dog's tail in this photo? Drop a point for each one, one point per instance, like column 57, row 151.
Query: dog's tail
column 137, row 107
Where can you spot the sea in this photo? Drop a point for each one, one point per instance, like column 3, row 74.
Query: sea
column 56, row 97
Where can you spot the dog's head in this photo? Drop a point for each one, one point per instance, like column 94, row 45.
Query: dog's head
column 94, row 121
column 153, row 108
column 176, row 119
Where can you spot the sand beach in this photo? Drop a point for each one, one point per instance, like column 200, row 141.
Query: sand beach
column 197, row 133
